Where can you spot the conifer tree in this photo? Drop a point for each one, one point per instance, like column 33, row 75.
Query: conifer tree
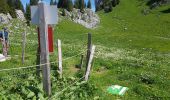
column 18, row 5
column 89, row 4
column 11, row 8
column 115, row 2
column 99, row 5
column 51, row 2
column 55, row 2
column 69, row 5
column 76, row 4
column 33, row 2
column 28, row 13
column 3, row 6
column 81, row 6
column 60, row 2
column 64, row 5
column 107, row 5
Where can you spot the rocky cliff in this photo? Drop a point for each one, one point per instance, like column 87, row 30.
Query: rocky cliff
column 5, row 18
column 88, row 18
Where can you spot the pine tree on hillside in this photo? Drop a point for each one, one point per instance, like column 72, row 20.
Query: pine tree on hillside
column 11, row 3
column 33, row 2
column 28, row 10
column 60, row 2
column 55, row 2
column 11, row 8
column 18, row 5
column 64, row 5
column 107, row 5
column 4, row 7
column 76, row 4
column 51, row 2
column 28, row 13
column 89, row 4
column 99, row 5
column 69, row 5
column 81, row 6
column 115, row 2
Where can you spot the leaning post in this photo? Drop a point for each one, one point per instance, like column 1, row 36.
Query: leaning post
column 89, row 44
column 90, row 63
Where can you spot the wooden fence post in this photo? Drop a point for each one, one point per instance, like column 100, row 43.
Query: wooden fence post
column 89, row 44
column 38, row 69
column 44, row 15
column 81, row 62
column 23, row 46
column 59, row 57
column 44, row 49
column 90, row 63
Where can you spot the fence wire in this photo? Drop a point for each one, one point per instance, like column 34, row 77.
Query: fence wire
column 32, row 66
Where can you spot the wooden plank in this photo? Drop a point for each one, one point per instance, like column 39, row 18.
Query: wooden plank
column 89, row 44
column 59, row 57
column 90, row 63
column 23, row 46
column 44, row 48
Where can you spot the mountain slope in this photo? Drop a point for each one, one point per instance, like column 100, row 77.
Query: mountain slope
column 132, row 49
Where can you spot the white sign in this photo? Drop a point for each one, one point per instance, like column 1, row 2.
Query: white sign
column 51, row 14
column 2, row 58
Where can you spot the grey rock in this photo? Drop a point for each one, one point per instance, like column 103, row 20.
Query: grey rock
column 4, row 19
column 89, row 19
column 9, row 16
column 20, row 15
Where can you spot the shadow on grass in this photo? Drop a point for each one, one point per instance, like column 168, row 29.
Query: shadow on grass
column 166, row 11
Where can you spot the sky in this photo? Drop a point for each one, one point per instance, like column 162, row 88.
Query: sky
column 24, row 2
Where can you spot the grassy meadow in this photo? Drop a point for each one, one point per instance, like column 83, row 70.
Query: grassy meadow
column 132, row 50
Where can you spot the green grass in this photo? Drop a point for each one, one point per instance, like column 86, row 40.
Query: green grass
column 136, row 57
column 129, row 57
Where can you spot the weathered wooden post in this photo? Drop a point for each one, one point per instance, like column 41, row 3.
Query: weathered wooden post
column 23, row 46
column 44, row 59
column 43, row 15
column 59, row 57
column 89, row 44
column 81, row 61
column 90, row 63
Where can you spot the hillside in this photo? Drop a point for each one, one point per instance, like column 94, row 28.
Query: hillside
column 132, row 50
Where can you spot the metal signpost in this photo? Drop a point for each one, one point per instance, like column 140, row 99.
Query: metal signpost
column 44, row 15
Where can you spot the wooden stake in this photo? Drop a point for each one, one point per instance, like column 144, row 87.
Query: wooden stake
column 89, row 63
column 81, row 62
column 59, row 57
column 23, row 46
column 89, row 44
column 44, row 50
column 38, row 62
